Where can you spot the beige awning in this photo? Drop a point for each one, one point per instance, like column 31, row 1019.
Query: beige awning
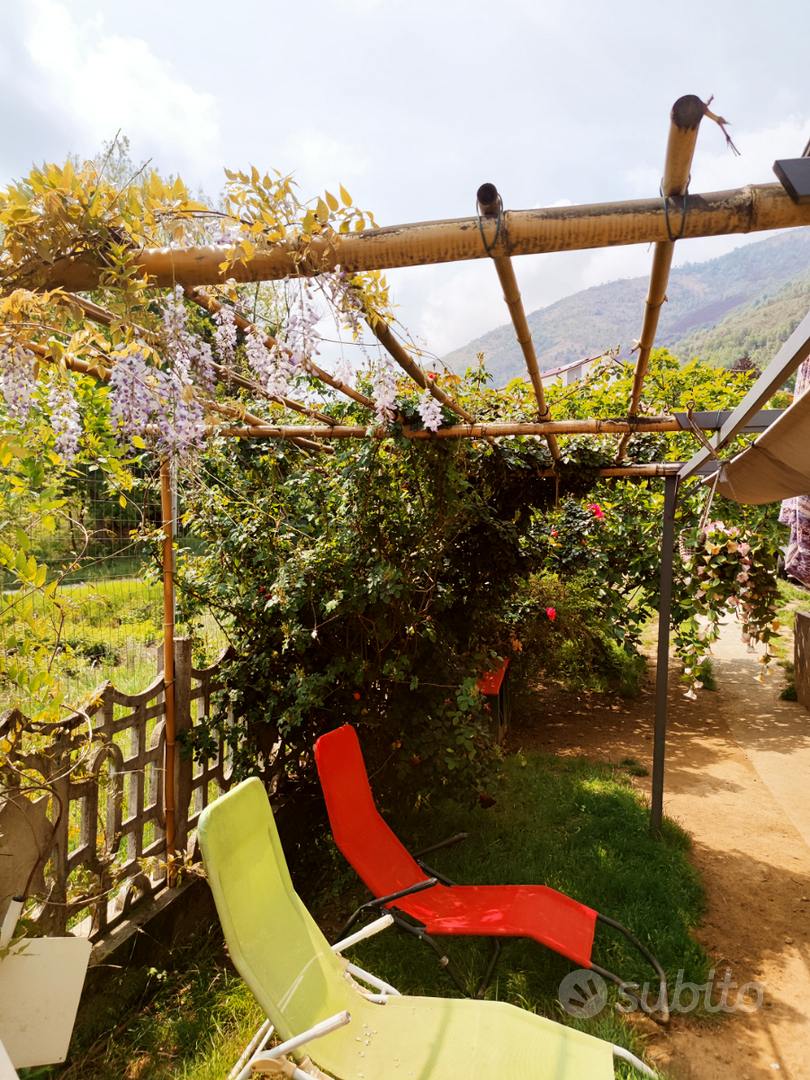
column 776, row 466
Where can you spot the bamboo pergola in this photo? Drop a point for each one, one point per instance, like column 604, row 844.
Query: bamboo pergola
column 500, row 235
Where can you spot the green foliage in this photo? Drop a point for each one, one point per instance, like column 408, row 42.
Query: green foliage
column 731, row 568
column 562, row 629
column 367, row 588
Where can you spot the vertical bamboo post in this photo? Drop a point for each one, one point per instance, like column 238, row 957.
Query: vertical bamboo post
column 489, row 202
column 662, row 671
column 687, row 112
column 167, row 512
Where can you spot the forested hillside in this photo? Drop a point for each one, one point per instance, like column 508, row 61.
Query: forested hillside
column 741, row 304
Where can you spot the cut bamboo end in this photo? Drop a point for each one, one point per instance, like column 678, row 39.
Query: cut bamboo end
column 685, row 117
column 491, row 204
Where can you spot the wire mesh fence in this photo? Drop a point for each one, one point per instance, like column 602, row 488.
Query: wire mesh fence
column 104, row 619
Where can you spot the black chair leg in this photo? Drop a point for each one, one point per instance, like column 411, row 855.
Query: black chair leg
column 493, row 960
column 661, row 1010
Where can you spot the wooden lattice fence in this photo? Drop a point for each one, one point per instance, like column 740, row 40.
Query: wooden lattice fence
column 82, row 814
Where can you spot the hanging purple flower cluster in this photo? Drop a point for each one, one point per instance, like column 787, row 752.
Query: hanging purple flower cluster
column 17, row 380
column 225, row 335
column 150, row 403
column 272, row 368
column 430, row 411
column 303, row 338
column 344, row 372
column 384, row 390
column 65, row 418
column 190, row 356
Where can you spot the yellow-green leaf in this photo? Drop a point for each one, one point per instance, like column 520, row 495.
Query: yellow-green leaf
column 347, row 199
column 333, row 203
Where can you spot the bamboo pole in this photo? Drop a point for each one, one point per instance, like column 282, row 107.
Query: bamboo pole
column 755, row 208
column 687, row 112
column 168, row 661
column 490, row 204
column 459, row 431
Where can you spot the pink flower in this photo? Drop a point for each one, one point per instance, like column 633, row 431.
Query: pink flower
column 598, row 512
column 552, row 614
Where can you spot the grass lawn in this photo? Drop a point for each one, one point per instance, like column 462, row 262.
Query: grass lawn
column 576, row 825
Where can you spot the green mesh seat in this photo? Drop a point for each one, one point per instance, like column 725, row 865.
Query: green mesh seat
column 299, row 982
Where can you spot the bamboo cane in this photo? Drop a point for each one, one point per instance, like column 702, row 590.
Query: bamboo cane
column 755, row 208
column 168, row 662
column 490, row 203
column 458, row 431
column 687, row 112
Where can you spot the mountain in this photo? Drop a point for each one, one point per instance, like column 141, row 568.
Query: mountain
column 741, row 304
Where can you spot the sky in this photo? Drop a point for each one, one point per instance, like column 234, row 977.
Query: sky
column 412, row 104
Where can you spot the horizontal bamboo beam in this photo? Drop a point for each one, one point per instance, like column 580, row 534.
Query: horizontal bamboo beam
column 659, row 468
column 687, row 112
column 460, row 431
column 755, row 208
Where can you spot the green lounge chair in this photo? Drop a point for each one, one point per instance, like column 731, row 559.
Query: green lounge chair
column 302, row 984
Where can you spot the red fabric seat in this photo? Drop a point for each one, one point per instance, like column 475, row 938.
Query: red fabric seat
column 533, row 911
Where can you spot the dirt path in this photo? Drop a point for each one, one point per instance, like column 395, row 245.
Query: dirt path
column 738, row 780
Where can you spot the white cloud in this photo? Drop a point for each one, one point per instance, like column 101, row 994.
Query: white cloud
column 318, row 157
column 101, row 82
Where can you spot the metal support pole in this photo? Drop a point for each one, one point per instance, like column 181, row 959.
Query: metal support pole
column 662, row 674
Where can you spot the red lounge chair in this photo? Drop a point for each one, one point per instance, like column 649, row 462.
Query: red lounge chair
column 386, row 867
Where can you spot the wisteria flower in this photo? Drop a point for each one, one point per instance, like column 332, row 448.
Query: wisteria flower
column 225, row 334
column 17, row 380
column 344, row 372
column 430, row 411
column 384, row 390
column 65, row 419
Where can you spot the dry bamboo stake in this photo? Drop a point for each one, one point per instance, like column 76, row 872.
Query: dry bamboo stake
column 211, row 305
column 460, row 431
column 168, row 662
column 490, row 203
column 755, row 208
column 687, row 112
